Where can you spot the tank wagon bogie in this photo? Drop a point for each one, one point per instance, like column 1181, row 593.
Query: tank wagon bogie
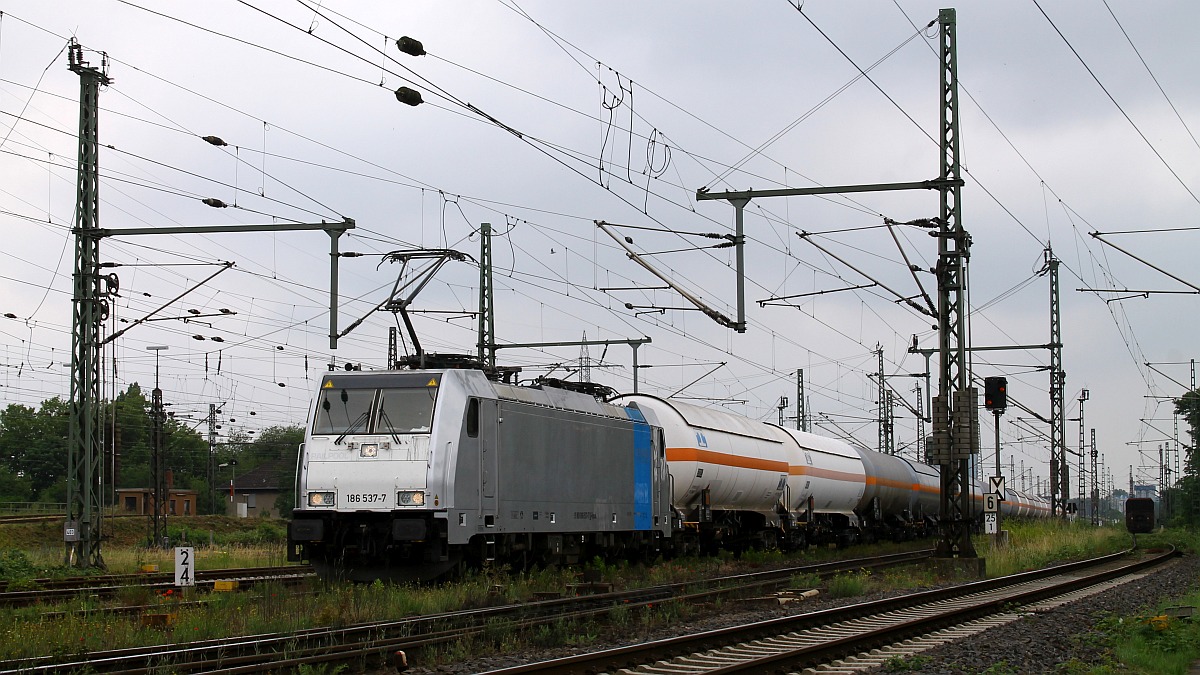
column 413, row 474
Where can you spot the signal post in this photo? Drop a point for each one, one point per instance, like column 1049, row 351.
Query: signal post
column 995, row 398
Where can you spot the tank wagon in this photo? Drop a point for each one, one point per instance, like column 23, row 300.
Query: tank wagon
column 411, row 474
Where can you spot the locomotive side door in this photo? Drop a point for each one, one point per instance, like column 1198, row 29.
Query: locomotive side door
column 489, row 446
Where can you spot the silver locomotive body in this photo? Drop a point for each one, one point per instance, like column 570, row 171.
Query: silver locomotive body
column 407, row 474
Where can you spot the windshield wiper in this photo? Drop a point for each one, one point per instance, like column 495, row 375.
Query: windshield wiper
column 351, row 429
column 392, row 430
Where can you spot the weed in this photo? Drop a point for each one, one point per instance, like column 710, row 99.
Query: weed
column 848, row 585
column 903, row 664
column 620, row 616
column 15, row 568
column 550, row 634
column 1001, row 668
column 809, row 580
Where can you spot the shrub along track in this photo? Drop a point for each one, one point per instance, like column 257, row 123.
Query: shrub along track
column 374, row 642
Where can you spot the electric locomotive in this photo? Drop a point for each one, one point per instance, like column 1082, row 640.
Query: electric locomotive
column 409, row 474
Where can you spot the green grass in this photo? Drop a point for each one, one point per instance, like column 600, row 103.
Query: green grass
column 847, row 584
column 1036, row 544
column 1151, row 642
column 904, row 664
column 265, row 609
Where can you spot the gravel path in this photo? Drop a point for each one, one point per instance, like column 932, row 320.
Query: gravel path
column 1036, row 644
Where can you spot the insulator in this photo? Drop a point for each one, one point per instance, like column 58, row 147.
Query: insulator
column 193, row 311
column 215, row 203
column 217, row 339
column 408, row 96
column 197, row 337
column 410, row 46
column 215, row 140
column 9, row 315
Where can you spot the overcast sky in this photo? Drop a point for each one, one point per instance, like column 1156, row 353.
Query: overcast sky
column 543, row 117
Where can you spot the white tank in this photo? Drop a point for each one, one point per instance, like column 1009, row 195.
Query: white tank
column 742, row 462
column 827, row 470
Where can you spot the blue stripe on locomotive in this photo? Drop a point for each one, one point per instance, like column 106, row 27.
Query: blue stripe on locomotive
column 642, row 459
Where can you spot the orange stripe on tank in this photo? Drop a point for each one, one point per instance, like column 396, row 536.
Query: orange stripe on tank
column 815, row 472
column 723, row 459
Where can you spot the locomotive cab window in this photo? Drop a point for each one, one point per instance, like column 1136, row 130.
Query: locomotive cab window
column 405, row 411
column 342, row 410
column 473, row 418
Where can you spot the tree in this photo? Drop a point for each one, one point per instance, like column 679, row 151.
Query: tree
column 1188, row 407
column 1186, row 493
column 282, row 444
column 33, row 443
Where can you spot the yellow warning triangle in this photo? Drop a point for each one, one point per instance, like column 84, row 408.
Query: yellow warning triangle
column 328, row 385
column 432, row 382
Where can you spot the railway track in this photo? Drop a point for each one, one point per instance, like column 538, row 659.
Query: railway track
column 37, row 517
column 382, row 640
column 857, row 636
column 58, row 589
column 13, row 518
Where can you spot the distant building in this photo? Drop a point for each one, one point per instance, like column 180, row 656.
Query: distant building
column 1147, row 490
column 255, row 493
column 140, row 501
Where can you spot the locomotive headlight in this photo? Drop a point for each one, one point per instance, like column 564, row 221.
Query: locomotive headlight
column 322, row 498
column 368, row 450
column 410, row 498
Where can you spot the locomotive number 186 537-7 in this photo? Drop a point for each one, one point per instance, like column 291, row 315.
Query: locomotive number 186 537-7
column 368, row 498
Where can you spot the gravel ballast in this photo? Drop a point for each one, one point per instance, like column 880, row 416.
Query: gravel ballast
column 1038, row 643
column 1043, row 642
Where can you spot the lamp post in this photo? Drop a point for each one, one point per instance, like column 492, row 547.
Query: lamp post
column 233, row 464
column 158, row 517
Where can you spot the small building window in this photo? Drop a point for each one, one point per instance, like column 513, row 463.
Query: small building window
column 172, row 505
column 130, row 503
column 187, row 507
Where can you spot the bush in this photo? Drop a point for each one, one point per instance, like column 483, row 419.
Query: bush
column 848, row 585
column 15, row 567
column 263, row 533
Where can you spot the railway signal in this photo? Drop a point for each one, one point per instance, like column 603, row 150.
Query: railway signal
column 995, row 393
